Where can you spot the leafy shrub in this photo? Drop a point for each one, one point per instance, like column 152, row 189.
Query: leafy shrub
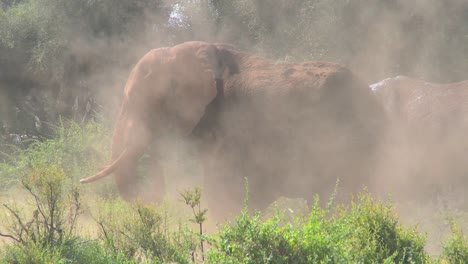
column 43, row 228
column 75, row 251
column 77, row 150
column 56, row 209
column 368, row 233
column 140, row 232
column 252, row 241
column 377, row 235
column 456, row 248
column 32, row 253
column 56, row 205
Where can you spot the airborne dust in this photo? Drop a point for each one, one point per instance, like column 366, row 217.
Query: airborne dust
column 424, row 170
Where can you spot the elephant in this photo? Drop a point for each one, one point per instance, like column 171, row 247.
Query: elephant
column 167, row 91
column 423, row 104
column 430, row 121
column 289, row 128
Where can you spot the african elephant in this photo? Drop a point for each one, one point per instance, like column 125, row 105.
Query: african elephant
column 290, row 128
column 167, row 91
column 431, row 121
column 423, row 104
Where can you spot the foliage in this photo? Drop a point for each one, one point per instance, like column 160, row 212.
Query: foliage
column 46, row 31
column 139, row 231
column 31, row 254
column 192, row 198
column 48, row 235
column 368, row 233
column 376, row 235
column 57, row 57
column 75, row 151
column 456, row 248
column 45, row 226
column 74, row 251
column 51, row 223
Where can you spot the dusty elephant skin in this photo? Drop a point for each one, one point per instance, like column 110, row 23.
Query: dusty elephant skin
column 431, row 123
column 424, row 104
column 167, row 91
column 291, row 128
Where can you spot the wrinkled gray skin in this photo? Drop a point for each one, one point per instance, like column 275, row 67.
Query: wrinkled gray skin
column 430, row 123
column 291, row 129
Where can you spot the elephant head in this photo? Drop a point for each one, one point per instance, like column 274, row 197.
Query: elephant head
column 167, row 91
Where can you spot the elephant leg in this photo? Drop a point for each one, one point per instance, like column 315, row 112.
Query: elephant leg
column 155, row 185
column 220, row 187
column 225, row 194
column 232, row 185
column 130, row 186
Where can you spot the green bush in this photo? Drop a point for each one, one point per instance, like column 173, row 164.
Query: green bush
column 75, row 149
column 141, row 232
column 46, row 222
column 42, row 220
column 31, row 254
column 75, row 251
column 368, row 233
column 456, row 248
column 56, row 206
column 377, row 235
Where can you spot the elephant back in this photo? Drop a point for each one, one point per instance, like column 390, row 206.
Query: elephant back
column 294, row 128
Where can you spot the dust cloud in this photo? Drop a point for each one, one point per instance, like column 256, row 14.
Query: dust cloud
column 420, row 162
column 376, row 41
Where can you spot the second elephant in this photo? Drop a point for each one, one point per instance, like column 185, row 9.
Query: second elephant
column 430, row 123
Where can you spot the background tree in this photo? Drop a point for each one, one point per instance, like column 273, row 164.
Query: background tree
column 58, row 57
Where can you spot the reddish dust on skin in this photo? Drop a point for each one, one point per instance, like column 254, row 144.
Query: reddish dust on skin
column 156, row 102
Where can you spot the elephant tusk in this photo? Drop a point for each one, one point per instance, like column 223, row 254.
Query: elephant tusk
column 106, row 170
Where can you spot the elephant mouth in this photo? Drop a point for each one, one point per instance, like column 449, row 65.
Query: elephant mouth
column 107, row 169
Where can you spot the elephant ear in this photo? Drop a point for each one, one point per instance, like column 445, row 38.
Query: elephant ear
column 227, row 58
column 227, row 66
column 212, row 112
